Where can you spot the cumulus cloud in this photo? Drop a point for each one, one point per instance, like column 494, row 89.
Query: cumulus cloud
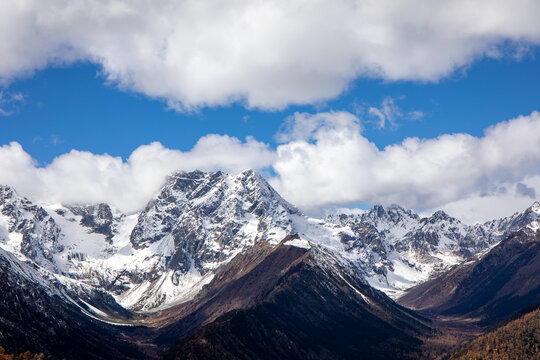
column 305, row 126
column 323, row 161
column 335, row 164
column 265, row 54
column 478, row 208
column 80, row 176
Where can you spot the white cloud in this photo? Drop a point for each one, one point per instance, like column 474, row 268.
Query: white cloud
column 304, row 126
column 323, row 162
column 388, row 113
column 336, row 165
column 524, row 190
column 484, row 207
column 267, row 54
column 80, row 176
column 9, row 102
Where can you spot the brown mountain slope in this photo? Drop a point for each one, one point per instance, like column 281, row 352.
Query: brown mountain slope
column 487, row 290
column 300, row 307
column 518, row 339
column 32, row 318
column 240, row 284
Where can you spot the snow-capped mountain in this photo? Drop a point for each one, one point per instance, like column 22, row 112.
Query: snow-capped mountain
column 27, row 229
column 487, row 288
column 162, row 255
column 38, row 314
column 199, row 221
column 398, row 249
column 206, row 218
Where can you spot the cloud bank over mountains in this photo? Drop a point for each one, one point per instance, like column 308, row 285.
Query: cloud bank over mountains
column 264, row 54
column 328, row 161
column 323, row 161
column 83, row 177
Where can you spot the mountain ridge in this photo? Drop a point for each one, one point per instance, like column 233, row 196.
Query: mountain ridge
column 488, row 288
column 200, row 221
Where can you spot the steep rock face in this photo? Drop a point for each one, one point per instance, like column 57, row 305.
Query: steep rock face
column 28, row 229
column 209, row 217
column 197, row 223
column 488, row 288
column 97, row 218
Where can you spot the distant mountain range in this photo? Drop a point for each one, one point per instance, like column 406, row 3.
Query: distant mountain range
column 222, row 264
column 489, row 287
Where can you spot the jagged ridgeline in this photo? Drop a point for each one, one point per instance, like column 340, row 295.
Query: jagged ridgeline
column 131, row 276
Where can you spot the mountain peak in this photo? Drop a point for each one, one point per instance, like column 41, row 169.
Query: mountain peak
column 251, row 175
column 439, row 215
column 535, row 207
column 6, row 192
column 394, row 213
column 201, row 220
column 249, row 172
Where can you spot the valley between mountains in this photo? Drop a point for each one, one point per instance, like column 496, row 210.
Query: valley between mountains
column 221, row 266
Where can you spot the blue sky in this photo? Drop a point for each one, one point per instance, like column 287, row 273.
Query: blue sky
column 72, row 107
column 373, row 103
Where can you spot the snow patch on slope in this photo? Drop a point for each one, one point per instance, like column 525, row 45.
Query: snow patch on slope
column 299, row 243
column 364, row 297
column 535, row 225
